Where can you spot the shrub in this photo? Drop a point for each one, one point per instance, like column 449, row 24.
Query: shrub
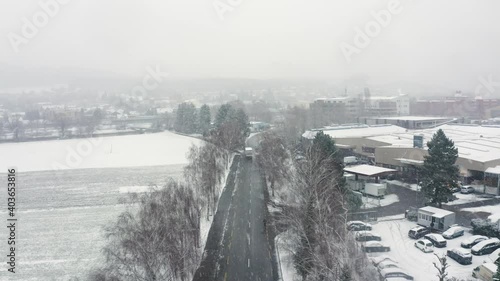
column 412, row 215
column 485, row 227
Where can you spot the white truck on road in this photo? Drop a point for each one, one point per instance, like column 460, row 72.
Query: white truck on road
column 248, row 152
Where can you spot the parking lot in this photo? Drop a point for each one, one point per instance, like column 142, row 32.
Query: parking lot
column 418, row 264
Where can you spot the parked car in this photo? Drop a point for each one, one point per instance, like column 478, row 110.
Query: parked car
column 495, row 256
column 473, row 240
column 453, row 232
column 358, row 225
column 377, row 260
column 456, row 189
column 486, row 247
column 424, row 245
column 418, row 232
column 436, row 239
column 375, row 246
column 386, row 264
column 467, row 189
column 365, row 236
column 394, row 272
column 460, row 255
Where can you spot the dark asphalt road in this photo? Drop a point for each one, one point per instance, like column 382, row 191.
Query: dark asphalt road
column 246, row 248
column 238, row 248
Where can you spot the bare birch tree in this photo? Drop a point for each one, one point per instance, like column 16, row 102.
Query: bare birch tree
column 156, row 238
column 272, row 156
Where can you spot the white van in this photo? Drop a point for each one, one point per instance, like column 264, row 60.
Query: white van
column 485, row 271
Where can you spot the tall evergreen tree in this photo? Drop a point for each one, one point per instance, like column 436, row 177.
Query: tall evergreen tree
column 330, row 158
column 204, row 119
column 242, row 119
column 223, row 114
column 439, row 173
column 231, row 127
column 186, row 118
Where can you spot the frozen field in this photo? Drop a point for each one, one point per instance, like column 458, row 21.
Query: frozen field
column 106, row 152
column 61, row 213
column 61, row 216
column 418, row 264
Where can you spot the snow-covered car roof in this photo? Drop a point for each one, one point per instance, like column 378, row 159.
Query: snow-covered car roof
column 473, row 238
column 357, row 222
column 461, row 252
column 495, row 255
column 481, row 244
column 374, row 244
column 385, row 263
column 385, row 271
column 453, row 229
column 437, row 237
column 425, row 240
column 382, row 258
column 366, row 233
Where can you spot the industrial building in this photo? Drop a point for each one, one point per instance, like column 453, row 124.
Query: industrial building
column 403, row 149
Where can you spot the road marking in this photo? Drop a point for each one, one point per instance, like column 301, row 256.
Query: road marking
column 227, row 260
column 225, row 276
column 250, row 212
column 248, row 224
column 248, row 263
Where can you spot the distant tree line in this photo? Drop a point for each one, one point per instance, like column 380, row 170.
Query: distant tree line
column 228, row 129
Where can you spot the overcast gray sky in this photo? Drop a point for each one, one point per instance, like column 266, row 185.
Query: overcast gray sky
column 446, row 42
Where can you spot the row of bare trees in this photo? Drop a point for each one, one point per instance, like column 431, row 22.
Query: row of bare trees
column 205, row 171
column 317, row 207
column 158, row 236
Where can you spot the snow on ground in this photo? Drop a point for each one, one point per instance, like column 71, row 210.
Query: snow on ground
column 286, row 258
column 371, row 202
column 62, row 212
column 493, row 210
column 412, row 186
column 418, row 264
column 105, row 152
column 466, row 198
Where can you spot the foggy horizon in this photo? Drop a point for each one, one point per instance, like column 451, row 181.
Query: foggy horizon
column 446, row 44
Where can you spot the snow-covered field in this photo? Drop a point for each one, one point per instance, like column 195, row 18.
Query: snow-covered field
column 105, row 152
column 62, row 212
column 493, row 210
column 420, row 265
